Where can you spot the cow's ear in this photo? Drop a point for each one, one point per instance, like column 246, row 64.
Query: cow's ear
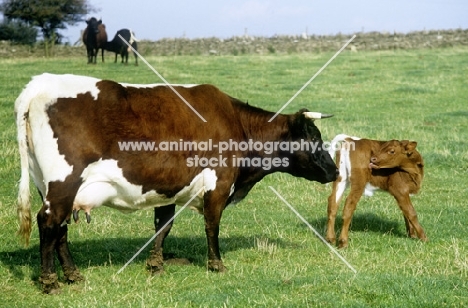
column 299, row 122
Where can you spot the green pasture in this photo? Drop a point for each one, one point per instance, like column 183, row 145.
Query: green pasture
column 273, row 259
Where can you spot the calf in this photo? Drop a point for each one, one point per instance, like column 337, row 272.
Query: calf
column 368, row 165
column 119, row 46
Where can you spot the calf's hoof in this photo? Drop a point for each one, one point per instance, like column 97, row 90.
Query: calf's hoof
column 331, row 240
column 50, row 284
column 216, row 266
column 343, row 243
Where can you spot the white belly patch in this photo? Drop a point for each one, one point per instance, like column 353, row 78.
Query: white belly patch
column 370, row 189
column 104, row 184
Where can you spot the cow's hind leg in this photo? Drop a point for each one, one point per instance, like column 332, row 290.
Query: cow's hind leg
column 162, row 216
column 47, row 235
column 53, row 230
column 53, row 238
column 70, row 271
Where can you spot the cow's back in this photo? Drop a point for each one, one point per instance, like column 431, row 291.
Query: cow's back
column 77, row 121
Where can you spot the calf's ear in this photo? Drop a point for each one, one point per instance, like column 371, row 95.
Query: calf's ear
column 409, row 146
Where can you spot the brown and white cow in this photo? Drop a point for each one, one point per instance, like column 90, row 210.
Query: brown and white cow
column 70, row 129
column 369, row 165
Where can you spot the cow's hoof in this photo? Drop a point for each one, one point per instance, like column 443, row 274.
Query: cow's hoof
column 155, row 263
column 155, row 270
column 216, row 266
column 49, row 283
column 72, row 275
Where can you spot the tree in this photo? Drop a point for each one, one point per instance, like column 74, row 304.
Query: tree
column 47, row 15
column 17, row 32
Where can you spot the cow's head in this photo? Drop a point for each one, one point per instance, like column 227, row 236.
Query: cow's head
column 313, row 163
column 396, row 154
column 93, row 24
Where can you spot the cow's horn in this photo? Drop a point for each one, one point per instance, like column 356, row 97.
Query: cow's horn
column 316, row 115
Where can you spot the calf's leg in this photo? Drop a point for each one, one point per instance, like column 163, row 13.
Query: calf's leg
column 356, row 191
column 411, row 218
column 334, row 201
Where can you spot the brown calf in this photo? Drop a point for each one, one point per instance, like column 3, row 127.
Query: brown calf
column 368, row 165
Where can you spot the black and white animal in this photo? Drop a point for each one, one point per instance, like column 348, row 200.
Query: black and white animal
column 119, row 46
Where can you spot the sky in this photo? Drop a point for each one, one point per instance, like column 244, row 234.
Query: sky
column 154, row 20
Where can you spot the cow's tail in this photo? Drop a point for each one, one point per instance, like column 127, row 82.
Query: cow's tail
column 24, row 204
column 133, row 37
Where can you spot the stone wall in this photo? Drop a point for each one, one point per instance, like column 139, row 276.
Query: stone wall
column 304, row 43
column 240, row 45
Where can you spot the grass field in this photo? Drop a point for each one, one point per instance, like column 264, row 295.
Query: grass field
column 273, row 259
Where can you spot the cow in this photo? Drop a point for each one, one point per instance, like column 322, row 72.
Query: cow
column 120, row 47
column 369, row 165
column 94, row 38
column 70, row 134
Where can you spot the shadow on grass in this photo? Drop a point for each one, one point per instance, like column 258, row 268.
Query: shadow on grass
column 117, row 251
column 365, row 222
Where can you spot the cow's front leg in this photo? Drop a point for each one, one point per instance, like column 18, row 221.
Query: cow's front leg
column 214, row 206
column 162, row 215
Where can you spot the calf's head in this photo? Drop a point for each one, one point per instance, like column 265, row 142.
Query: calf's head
column 396, row 154
column 311, row 162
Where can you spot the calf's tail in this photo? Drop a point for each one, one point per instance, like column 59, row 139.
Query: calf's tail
column 334, row 147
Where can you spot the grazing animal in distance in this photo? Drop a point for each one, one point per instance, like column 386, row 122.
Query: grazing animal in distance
column 94, row 38
column 72, row 134
column 120, row 47
column 369, row 165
